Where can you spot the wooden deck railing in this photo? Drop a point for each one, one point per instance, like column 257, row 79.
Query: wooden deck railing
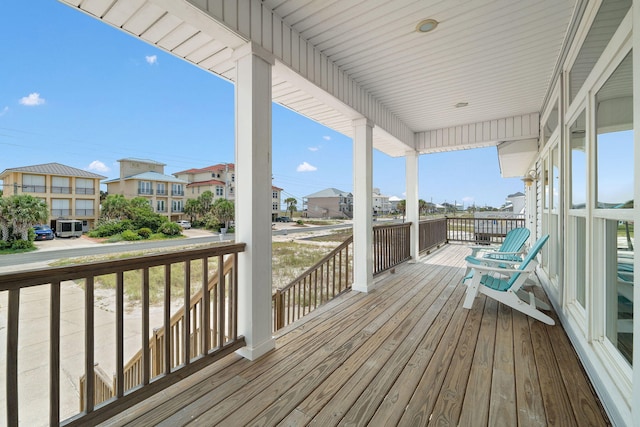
column 323, row 281
column 481, row 230
column 333, row 274
column 216, row 317
column 134, row 368
column 391, row 246
column 432, row 233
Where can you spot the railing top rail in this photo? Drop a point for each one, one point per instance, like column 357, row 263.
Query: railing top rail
column 318, row 264
column 35, row 277
column 423, row 221
column 401, row 225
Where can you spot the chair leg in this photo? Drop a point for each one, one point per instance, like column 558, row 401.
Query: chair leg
column 524, row 296
column 515, row 302
column 472, row 292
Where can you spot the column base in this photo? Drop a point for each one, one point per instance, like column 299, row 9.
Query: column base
column 252, row 353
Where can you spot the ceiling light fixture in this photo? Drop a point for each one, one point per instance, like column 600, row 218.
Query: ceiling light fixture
column 461, row 104
column 426, row 25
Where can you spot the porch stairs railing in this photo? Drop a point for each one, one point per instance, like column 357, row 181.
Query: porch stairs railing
column 105, row 387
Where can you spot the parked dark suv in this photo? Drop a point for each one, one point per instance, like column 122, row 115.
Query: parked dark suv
column 43, row 232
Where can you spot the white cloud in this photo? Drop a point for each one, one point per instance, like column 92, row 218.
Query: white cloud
column 32, row 100
column 151, row 59
column 98, row 166
column 4, row 111
column 326, row 138
column 315, row 148
column 306, row 167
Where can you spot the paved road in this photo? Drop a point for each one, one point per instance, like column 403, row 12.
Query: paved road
column 85, row 249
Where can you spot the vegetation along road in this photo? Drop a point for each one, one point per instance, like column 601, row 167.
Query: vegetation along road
column 101, row 249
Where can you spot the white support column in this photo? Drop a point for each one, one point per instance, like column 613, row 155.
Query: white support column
column 362, row 205
column 411, row 204
column 253, row 199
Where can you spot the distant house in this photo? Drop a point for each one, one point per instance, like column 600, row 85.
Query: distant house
column 220, row 180
column 70, row 193
column 329, row 203
column 393, row 203
column 381, row 203
column 146, row 178
column 515, row 203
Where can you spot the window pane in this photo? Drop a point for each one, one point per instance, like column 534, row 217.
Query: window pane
column 579, row 253
column 607, row 20
column 578, row 163
column 555, row 187
column 545, row 183
column 619, row 255
column 614, row 120
column 551, row 124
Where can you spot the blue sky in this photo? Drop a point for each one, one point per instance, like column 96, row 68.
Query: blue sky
column 78, row 92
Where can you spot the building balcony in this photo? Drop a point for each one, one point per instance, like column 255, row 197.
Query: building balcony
column 34, row 189
column 145, row 192
column 85, row 212
column 55, row 213
column 85, row 190
column 60, row 190
column 177, row 193
column 161, row 192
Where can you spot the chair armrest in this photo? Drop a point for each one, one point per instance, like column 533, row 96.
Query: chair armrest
column 506, row 253
column 488, row 269
column 490, row 261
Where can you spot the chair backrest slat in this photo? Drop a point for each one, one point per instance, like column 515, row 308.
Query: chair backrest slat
column 530, row 255
column 515, row 239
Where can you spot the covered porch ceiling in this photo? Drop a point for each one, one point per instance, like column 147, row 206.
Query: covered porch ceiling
column 480, row 78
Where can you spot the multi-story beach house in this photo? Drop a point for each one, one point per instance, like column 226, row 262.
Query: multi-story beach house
column 70, row 193
column 146, row 178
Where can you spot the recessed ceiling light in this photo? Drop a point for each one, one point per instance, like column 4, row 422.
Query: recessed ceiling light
column 426, row 25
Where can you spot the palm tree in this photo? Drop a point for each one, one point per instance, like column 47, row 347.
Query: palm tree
column 291, row 205
column 206, row 202
column 23, row 212
column 224, row 210
column 192, row 207
column 4, row 219
column 402, row 207
column 422, row 207
column 115, row 206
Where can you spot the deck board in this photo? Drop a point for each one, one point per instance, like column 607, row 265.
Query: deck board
column 407, row 353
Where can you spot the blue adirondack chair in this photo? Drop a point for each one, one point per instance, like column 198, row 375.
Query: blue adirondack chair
column 505, row 285
column 509, row 253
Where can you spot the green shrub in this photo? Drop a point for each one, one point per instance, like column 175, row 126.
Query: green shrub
column 299, row 222
column 31, row 233
column 170, row 229
column 145, row 232
column 22, row 244
column 130, row 235
column 4, row 244
column 111, row 227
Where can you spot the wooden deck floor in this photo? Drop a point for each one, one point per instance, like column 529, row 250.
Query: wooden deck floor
column 405, row 354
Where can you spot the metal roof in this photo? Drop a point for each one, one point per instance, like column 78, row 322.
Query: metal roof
column 329, row 192
column 150, row 176
column 54, row 169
